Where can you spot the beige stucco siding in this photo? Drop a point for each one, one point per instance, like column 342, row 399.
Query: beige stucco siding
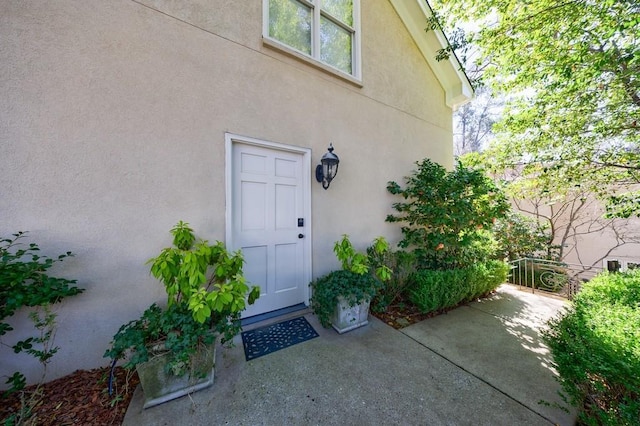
column 112, row 128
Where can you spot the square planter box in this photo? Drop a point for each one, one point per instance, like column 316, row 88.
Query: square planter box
column 160, row 386
column 347, row 317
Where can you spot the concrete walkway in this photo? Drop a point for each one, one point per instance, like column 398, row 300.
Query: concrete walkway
column 481, row 364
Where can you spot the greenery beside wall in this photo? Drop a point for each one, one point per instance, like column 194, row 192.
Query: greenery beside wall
column 25, row 283
column 359, row 280
column 206, row 294
column 402, row 265
column 447, row 216
column 596, row 348
column 433, row 290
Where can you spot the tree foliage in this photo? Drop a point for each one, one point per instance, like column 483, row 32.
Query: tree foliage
column 571, row 72
column 566, row 212
column 447, row 216
column 521, row 236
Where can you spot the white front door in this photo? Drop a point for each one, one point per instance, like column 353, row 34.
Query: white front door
column 268, row 218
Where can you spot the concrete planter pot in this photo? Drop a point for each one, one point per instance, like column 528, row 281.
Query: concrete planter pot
column 346, row 318
column 161, row 386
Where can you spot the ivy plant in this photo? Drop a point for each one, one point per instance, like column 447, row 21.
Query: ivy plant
column 355, row 283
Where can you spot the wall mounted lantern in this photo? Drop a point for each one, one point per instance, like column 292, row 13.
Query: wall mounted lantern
column 327, row 170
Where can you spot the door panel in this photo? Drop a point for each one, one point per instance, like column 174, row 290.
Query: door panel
column 267, row 200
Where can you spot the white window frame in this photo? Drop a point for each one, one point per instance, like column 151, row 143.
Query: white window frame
column 624, row 263
column 314, row 59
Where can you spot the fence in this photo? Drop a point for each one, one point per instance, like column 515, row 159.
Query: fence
column 558, row 278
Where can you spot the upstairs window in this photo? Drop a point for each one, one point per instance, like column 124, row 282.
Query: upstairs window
column 324, row 30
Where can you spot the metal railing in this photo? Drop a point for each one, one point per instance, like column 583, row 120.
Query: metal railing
column 558, row 278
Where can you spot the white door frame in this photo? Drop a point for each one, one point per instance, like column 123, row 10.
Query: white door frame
column 230, row 138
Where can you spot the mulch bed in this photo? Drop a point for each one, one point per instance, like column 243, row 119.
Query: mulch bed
column 80, row 398
column 403, row 313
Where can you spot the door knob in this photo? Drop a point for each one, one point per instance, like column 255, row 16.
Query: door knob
column 300, row 235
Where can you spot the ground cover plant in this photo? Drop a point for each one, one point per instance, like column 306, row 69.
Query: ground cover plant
column 596, row 348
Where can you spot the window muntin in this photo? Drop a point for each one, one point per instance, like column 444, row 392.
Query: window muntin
column 324, row 30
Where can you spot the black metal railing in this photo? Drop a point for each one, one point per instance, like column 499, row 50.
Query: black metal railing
column 558, row 278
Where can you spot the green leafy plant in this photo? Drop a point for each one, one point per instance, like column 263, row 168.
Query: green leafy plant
column 596, row 350
column 25, row 283
column 520, row 236
column 206, row 293
column 402, row 265
column 356, row 282
column 434, row 290
column 447, row 216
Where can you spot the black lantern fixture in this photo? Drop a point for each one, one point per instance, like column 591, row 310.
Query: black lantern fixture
column 327, row 170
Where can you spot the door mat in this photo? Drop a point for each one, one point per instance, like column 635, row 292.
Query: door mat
column 272, row 338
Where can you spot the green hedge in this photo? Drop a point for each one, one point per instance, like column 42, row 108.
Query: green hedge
column 434, row 290
column 596, row 349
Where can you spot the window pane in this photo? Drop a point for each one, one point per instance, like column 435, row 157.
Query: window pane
column 290, row 23
column 335, row 45
column 613, row 265
column 341, row 9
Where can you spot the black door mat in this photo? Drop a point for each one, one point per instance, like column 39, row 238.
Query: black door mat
column 272, row 338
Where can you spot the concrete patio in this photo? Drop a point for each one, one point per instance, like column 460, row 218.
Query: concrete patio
column 480, row 364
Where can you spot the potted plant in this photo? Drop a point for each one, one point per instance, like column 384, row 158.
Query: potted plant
column 173, row 348
column 342, row 297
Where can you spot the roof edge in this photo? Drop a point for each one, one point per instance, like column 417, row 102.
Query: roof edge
column 449, row 72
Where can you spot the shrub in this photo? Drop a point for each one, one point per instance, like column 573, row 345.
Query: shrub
column 520, row 236
column 206, row 294
column 402, row 265
column 25, row 282
column 432, row 290
column 447, row 216
column 596, row 350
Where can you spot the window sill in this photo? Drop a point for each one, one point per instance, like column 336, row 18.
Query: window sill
column 276, row 45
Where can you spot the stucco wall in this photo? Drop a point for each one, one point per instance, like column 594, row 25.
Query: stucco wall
column 112, row 122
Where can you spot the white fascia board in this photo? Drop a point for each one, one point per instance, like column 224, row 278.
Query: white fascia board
column 414, row 15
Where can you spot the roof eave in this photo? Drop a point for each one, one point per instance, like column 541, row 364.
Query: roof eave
column 449, row 72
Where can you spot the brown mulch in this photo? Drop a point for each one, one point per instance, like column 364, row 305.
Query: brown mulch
column 80, row 398
column 403, row 313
